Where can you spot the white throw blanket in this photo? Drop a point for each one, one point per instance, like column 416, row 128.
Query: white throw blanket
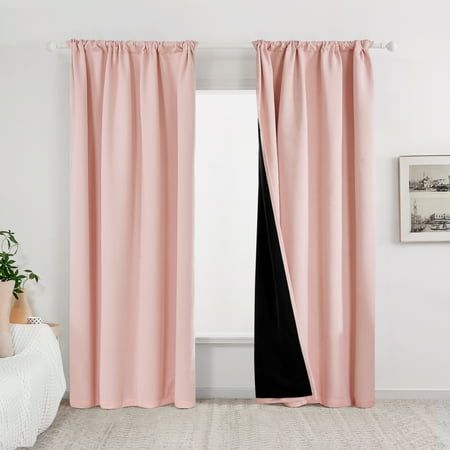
column 32, row 384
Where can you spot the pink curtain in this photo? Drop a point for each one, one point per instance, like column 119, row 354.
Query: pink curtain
column 131, row 287
column 315, row 113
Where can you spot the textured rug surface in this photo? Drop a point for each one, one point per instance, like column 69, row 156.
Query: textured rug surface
column 242, row 424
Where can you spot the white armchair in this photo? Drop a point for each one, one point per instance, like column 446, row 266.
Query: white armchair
column 32, row 385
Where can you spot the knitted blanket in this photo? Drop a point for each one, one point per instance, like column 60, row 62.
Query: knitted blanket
column 32, row 384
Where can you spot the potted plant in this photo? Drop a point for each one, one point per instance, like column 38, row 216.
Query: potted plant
column 17, row 278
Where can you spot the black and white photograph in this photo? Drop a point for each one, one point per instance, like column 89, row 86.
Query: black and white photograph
column 430, row 214
column 425, row 198
column 429, row 178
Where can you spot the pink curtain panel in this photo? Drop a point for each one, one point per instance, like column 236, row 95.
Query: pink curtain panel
column 131, row 287
column 314, row 318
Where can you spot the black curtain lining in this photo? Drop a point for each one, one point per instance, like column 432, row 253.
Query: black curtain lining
column 280, row 369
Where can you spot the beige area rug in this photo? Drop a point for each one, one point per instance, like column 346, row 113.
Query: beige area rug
column 242, row 424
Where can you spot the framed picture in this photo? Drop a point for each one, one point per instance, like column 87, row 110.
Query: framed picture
column 425, row 198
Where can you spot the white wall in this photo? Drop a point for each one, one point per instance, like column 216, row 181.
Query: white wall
column 412, row 117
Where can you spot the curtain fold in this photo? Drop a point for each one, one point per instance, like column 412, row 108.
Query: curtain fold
column 131, row 287
column 315, row 116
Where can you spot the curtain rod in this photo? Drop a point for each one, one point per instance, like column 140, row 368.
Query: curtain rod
column 391, row 46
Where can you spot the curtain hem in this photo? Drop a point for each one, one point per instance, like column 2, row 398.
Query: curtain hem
column 296, row 402
column 85, row 404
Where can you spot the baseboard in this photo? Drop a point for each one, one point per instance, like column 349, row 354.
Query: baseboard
column 380, row 394
column 225, row 392
column 410, row 394
column 213, row 392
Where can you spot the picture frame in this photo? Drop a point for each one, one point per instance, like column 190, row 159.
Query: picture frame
column 424, row 198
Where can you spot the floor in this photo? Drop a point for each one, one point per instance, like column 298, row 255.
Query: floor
column 242, row 424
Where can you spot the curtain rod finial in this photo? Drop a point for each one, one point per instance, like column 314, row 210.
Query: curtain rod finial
column 391, row 46
column 51, row 46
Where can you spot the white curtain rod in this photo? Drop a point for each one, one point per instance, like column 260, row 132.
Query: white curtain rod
column 391, row 46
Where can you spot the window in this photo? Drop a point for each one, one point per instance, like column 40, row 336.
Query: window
column 226, row 196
